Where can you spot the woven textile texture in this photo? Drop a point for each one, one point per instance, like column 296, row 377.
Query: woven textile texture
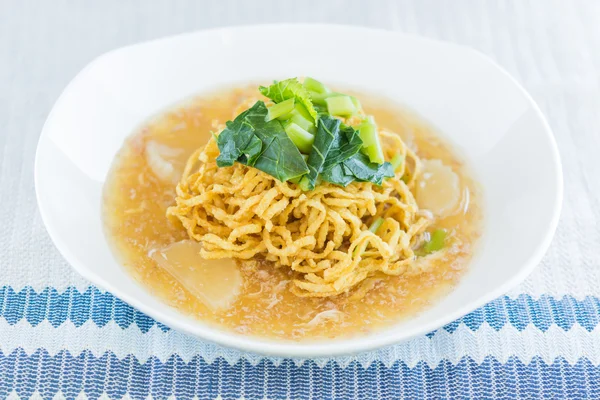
column 61, row 337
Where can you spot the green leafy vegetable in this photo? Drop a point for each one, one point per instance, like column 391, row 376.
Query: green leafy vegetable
column 343, row 163
column 302, row 120
column 364, row 170
column 251, row 140
column 288, row 89
column 345, row 145
column 337, row 175
column 238, row 140
column 326, row 134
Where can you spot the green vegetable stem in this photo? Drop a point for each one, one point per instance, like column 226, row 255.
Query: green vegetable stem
column 299, row 139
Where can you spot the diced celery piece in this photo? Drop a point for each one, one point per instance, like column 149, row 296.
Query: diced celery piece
column 300, row 116
column 340, row 105
column 356, row 102
column 277, row 110
column 314, row 85
column 397, row 161
column 319, row 98
column 300, row 109
column 436, row 241
column 375, row 153
column 301, row 138
column 296, row 179
column 371, row 145
column 304, row 184
column 301, row 121
column 368, row 134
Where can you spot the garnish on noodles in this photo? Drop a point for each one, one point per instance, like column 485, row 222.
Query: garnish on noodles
column 302, row 181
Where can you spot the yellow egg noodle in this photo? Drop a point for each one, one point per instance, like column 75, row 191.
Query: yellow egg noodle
column 322, row 235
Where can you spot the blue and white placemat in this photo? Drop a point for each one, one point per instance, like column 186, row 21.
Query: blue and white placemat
column 62, row 338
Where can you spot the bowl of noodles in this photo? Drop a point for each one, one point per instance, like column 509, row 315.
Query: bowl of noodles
column 373, row 189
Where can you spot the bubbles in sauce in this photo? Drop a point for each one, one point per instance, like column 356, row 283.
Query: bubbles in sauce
column 251, row 297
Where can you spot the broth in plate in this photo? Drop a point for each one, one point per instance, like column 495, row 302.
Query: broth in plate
column 253, row 296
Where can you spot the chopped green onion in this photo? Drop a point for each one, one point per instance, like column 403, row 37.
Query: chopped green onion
column 340, row 105
column 397, row 161
column 435, row 242
column 301, row 137
column 277, row 110
column 371, row 145
column 314, row 85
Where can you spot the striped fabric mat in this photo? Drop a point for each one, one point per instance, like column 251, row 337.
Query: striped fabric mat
column 62, row 338
column 98, row 345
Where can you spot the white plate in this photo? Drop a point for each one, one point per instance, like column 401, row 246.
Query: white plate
column 489, row 117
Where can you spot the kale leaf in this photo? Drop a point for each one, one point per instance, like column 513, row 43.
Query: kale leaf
column 364, row 170
column 250, row 140
column 346, row 144
column 337, row 175
column 327, row 134
column 335, row 155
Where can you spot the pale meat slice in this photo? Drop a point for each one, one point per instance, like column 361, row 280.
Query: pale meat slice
column 161, row 160
column 216, row 283
column 438, row 188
